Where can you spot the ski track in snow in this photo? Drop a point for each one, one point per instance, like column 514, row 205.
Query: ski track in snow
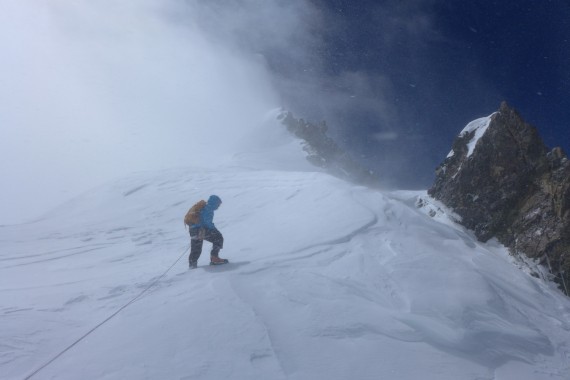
column 326, row 281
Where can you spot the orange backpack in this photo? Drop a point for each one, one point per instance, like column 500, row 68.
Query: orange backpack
column 193, row 215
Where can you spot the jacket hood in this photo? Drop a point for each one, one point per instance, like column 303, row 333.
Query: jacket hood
column 214, row 201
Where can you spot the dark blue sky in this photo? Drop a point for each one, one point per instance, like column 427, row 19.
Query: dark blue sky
column 397, row 80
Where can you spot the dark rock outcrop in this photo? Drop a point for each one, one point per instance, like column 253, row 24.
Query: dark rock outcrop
column 503, row 182
column 323, row 151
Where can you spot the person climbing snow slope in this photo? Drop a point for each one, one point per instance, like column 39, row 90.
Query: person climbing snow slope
column 203, row 228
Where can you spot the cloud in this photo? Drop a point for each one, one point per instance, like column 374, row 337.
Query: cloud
column 356, row 61
column 94, row 89
column 91, row 90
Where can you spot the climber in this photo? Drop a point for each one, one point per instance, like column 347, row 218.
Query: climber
column 203, row 228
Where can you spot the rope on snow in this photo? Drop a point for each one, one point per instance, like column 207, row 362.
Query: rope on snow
column 107, row 319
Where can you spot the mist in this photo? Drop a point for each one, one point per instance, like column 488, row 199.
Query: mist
column 92, row 90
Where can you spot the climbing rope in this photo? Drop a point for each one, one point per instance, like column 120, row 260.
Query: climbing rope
column 107, row 319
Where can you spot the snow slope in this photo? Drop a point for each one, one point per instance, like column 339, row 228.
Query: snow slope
column 327, row 281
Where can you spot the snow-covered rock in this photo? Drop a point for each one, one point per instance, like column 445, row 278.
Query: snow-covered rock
column 504, row 182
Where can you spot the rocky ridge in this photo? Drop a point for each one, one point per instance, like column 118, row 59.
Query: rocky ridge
column 322, row 151
column 503, row 182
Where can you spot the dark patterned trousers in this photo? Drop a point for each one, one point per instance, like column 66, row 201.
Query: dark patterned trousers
column 197, row 237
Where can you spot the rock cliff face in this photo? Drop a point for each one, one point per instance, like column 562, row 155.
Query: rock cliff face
column 503, row 182
column 322, row 151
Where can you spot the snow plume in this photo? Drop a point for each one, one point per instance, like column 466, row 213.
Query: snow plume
column 381, row 69
column 372, row 111
column 91, row 90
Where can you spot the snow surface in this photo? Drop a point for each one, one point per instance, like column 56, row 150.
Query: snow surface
column 479, row 126
column 326, row 281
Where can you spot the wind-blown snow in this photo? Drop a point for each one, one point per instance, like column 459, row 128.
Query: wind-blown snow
column 326, row 281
